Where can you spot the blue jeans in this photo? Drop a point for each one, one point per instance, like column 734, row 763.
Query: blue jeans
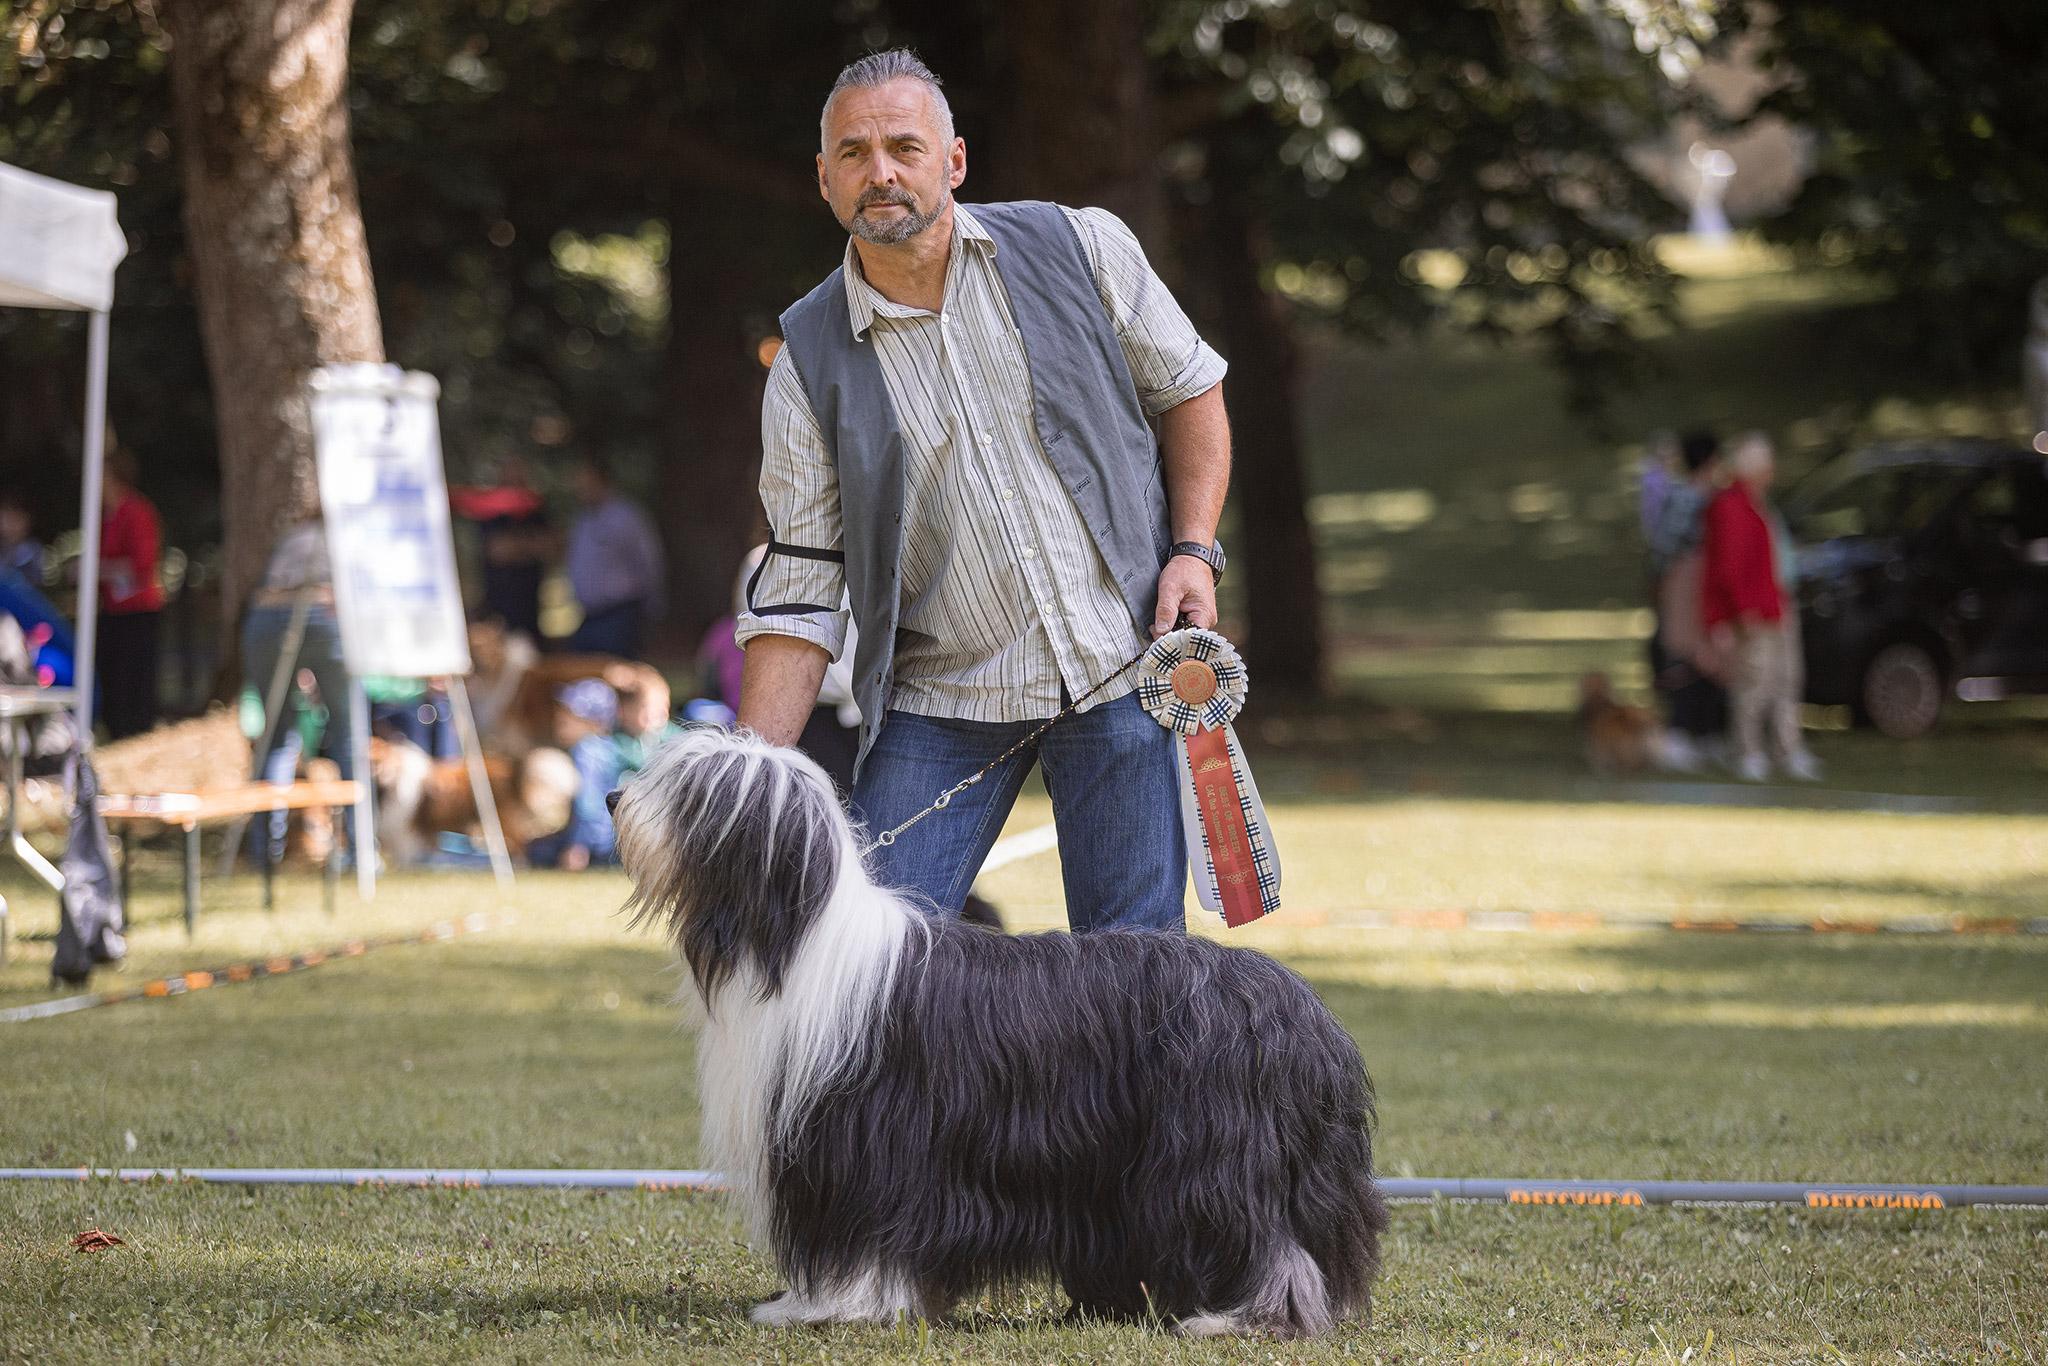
column 1115, row 798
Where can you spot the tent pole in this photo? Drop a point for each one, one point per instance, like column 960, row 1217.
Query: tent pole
column 88, row 611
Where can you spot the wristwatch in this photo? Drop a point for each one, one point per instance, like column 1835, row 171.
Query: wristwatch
column 1211, row 554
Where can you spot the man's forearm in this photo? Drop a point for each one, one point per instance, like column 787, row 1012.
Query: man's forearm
column 1194, row 441
column 780, row 686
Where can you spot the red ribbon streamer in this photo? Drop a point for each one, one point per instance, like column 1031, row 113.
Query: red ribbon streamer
column 1230, row 843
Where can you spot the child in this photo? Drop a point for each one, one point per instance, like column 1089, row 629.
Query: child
column 585, row 714
column 644, row 721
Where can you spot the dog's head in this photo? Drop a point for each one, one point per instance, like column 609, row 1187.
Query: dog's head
column 734, row 846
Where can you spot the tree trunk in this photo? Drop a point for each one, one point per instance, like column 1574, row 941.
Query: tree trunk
column 259, row 92
column 1080, row 128
column 710, row 510
column 1283, row 648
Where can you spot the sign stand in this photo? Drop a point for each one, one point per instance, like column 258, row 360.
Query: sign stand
column 385, row 498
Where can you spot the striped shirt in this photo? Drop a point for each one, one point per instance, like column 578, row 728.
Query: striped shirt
column 1005, row 598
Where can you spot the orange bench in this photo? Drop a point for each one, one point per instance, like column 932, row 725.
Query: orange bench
column 189, row 811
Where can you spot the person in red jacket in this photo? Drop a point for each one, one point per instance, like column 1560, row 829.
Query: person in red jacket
column 1749, row 617
column 131, row 599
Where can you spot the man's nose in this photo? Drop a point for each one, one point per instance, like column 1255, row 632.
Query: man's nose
column 611, row 801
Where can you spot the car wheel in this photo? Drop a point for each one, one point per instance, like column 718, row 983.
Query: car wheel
column 1901, row 692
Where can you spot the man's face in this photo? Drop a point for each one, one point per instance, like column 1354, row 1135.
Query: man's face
column 885, row 170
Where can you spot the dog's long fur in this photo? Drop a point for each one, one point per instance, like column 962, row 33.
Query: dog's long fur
column 910, row 1109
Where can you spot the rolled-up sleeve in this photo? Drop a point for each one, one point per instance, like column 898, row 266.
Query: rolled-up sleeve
column 1169, row 361
column 801, row 587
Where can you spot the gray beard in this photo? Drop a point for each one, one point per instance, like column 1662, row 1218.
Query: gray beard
column 895, row 230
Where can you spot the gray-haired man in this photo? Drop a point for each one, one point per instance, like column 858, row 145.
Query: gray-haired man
column 959, row 432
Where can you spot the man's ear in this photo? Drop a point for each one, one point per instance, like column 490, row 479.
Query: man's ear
column 956, row 155
column 823, row 193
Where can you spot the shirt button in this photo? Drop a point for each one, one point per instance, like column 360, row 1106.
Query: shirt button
column 986, row 439
column 1030, row 552
column 1009, row 493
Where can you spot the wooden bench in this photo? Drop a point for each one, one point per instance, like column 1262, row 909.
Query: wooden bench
column 189, row 811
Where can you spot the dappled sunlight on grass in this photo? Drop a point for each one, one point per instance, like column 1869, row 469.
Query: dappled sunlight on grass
column 554, row 1041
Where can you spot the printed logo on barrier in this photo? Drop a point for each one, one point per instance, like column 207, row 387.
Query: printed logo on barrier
column 1539, row 1195
column 1875, row 1200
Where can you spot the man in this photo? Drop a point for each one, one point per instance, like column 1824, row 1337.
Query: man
column 615, row 567
column 1687, row 674
column 131, row 599
column 1748, row 608
column 956, row 432
column 517, row 542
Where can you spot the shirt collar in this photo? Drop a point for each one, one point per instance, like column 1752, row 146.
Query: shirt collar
column 864, row 303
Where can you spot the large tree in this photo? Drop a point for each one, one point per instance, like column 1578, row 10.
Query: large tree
column 282, row 273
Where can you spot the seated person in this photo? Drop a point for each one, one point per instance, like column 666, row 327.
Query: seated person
column 645, row 723
column 585, row 713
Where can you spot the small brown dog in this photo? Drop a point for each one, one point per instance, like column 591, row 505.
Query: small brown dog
column 419, row 797
column 1619, row 738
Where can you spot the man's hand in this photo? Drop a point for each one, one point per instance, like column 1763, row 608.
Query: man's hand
column 1186, row 585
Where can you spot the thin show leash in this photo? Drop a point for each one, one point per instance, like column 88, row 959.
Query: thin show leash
column 945, row 799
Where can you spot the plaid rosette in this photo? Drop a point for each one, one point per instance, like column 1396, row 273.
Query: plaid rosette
column 1155, row 680
column 1183, row 718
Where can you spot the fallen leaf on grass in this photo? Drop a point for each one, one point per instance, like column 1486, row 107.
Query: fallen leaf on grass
column 96, row 1240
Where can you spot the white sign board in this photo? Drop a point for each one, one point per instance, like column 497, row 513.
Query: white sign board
column 378, row 440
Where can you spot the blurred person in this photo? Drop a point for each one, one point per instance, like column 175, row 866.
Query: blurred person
column 517, row 540
column 131, row 599
column 20, row 551
column 1748, row 609
column 646, row 717
column 1688, row 673
column 586, row 713
column 1662, row 469
column 297, row 572
column 615, row 566
column 993, row 577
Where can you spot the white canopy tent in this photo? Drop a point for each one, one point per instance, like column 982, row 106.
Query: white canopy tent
column 59, row 245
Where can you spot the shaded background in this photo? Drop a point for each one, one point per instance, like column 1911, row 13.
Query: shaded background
column 1435, row 242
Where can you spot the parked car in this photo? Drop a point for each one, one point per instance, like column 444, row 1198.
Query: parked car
column 1923, row 576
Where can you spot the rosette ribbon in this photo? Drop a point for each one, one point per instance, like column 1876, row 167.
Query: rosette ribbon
column 1193, row 683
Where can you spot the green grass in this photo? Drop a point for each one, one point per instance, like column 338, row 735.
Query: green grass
column 552, row 1042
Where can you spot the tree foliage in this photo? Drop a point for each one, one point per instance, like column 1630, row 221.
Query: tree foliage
column 1932, row 161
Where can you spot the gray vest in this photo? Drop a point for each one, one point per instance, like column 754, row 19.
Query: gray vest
column 1085, row 408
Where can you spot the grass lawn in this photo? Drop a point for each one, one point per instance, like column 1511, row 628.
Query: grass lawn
column 551, row 1042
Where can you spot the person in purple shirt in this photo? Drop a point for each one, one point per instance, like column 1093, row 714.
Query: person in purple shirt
column 615, row 566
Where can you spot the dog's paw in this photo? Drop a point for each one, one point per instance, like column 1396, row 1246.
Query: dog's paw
column 1211, row 1326
column 777, row 1311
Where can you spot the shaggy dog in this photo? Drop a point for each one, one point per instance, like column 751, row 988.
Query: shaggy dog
column 909, row 1109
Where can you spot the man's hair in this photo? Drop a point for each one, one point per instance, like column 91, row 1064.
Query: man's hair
column 880, row 68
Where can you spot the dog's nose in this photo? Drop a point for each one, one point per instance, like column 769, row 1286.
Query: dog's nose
column 611, row 801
